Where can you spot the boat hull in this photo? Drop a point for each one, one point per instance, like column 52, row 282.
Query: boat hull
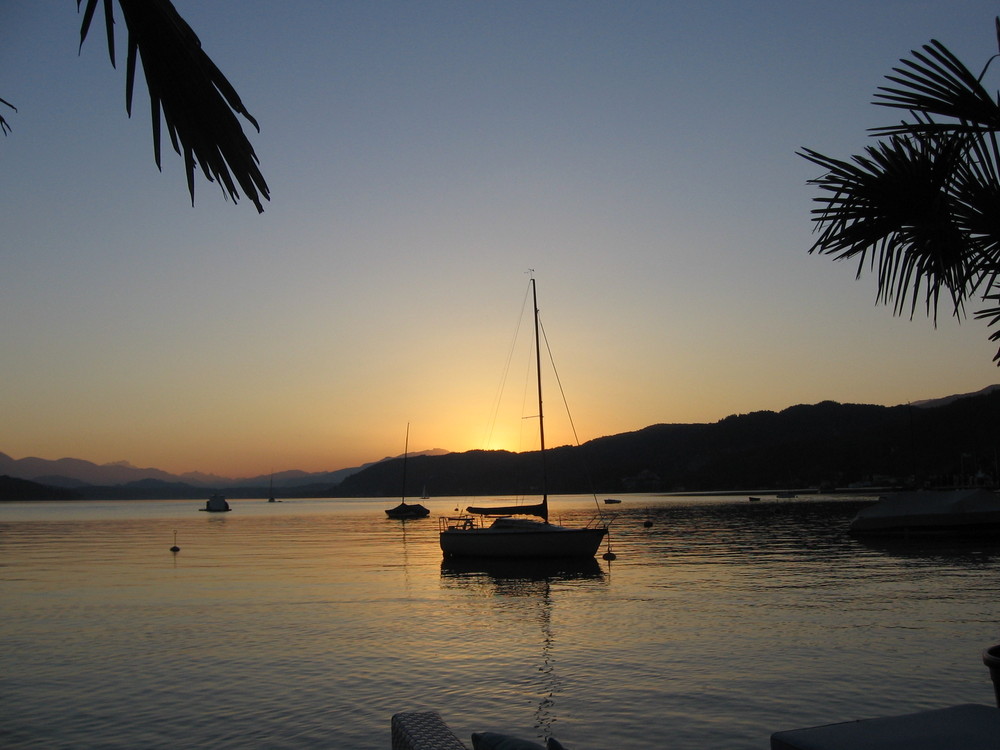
column 407, row 511
column 552, row 542
column 406, row 515
column 216, row 504
column 968, row 524
column 957, row 512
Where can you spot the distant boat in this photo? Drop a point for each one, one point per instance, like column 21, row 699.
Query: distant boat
column 785, row 495
column 611, row 501
column 957, row 512
column 270, row 490
column 216, row 504
column 754, row 499
column 406, row 511
column 507, row 537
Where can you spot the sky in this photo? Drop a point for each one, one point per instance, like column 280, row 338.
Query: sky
column 640, row 157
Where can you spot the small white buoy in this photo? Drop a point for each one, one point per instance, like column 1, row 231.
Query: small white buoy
column 175, row 548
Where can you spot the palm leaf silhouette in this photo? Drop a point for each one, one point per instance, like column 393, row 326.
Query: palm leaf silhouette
column 194, row 99
column 921, row 209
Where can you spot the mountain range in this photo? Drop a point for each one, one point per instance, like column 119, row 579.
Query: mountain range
column 941, row 442
column 81, row 475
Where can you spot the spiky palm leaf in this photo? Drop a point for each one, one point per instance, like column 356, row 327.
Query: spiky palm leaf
column 923, row 206
column 4, row 126
column 195, row 100
column 892, row 209
column 937, row 83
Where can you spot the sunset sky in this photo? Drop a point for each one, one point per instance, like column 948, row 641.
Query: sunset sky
column 422, row 156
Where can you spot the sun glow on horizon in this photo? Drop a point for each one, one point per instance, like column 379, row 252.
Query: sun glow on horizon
column 384, row 281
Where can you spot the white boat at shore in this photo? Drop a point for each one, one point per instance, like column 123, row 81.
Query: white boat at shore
column 519, row 537
column 930, row 512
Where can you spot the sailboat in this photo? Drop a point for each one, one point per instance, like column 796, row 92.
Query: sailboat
column 405, row 511
column 512, row 534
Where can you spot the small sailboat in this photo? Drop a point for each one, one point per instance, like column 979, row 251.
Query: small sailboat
column 511, row 534
column 406, row 511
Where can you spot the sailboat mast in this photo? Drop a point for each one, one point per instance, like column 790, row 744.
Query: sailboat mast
column 406, row 452
column 541, row 421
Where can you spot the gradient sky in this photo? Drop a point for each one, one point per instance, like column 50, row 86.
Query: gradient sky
column 639, row 156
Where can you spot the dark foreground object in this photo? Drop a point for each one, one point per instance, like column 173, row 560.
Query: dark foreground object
column 991, row 658
column 423, row 730
column 966, row 727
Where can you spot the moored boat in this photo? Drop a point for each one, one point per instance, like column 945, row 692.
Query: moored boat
column 512, row 533
column 216, row 504
column 517, row 537
column 955, row 512
column 406, row 511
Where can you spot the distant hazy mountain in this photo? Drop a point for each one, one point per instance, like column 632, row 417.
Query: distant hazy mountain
column 950, row 399
column 76, row 473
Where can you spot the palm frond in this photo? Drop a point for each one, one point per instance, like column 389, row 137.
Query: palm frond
column 195, row 100
column 992, row 316
column 937, row 83
column 891, row 209
column 921, row 209
column 976, row 189
column 4, row 126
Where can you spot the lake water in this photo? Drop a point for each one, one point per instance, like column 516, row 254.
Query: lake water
column 308, row 623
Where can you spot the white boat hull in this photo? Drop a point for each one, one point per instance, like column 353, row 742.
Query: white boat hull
column 931, row 512
column 546, row 541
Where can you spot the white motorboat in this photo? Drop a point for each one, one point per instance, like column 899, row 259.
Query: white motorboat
column 970, row 511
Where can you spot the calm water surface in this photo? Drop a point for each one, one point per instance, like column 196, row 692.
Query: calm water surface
column 307, row 624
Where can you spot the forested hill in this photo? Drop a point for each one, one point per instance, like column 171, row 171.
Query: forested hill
column 823, row 445
column 12, row 488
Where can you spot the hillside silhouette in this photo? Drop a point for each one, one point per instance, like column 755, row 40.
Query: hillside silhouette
column 944, row 442
column 826, row 445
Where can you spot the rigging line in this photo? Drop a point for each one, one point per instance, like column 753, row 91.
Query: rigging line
column 521, row 480
column 492, row 421
column 569, row 414
column 555, row 372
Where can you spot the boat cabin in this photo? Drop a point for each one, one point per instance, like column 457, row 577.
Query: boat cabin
column 217, row 504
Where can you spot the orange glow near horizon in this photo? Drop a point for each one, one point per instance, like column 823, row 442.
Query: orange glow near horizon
column 382, row 284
